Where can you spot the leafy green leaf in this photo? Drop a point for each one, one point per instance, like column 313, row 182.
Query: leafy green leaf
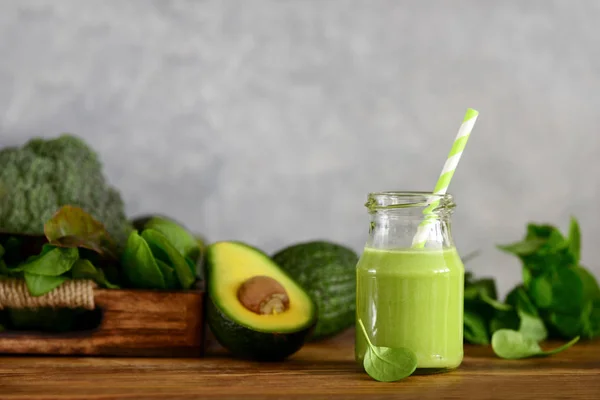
column 386, row 364
column 523, row 248
column 159, row 245
column 51, row 262
column 139, row 264
column 591, row 320
column 575, row 239
column 541, row 292
column 505, row 320
column 567, row 290
column 495, row 303
column 532, row 327
column 530, row 323
column 39, row 285
column 6, row 272
column 475, row 330
column 84, row 269
column 591, row 290
column 519, row 299
column 513, row 345
column 169, row 274
column 73, row 227
column 540, row 231
column 527, row 276
column 182, row 240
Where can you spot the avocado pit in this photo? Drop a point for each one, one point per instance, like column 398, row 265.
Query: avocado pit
column 263, row 295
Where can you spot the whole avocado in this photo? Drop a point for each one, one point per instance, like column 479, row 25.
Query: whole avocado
column 45, row 174
column 327, row 271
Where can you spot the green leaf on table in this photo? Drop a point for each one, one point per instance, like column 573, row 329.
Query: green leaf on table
column 532, row 327
column 51, row 262
column 475, row 330
column 164, row 251
column 386, row 364
column 139, row 265
column 84, row 269
column 179, row 237
column 39, row 285
column 514, row 345
column 575, row 239
column 73, row 227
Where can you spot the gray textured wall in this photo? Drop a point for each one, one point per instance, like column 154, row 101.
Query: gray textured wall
column 269, row 121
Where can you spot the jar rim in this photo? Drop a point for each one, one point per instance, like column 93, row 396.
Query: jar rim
column 408, row 199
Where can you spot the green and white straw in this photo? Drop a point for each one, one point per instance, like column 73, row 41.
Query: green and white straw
column 446, row 176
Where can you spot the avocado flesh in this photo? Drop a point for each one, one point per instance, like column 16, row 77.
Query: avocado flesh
column 244, row 332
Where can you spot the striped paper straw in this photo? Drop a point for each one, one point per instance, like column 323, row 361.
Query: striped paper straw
column 446, row 176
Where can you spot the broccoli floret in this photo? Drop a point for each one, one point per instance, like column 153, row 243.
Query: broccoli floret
column 45, row 174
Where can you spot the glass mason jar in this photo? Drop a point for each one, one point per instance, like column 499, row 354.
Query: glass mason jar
column 411, row 295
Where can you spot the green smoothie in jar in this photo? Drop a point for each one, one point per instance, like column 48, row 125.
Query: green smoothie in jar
column 411, row 297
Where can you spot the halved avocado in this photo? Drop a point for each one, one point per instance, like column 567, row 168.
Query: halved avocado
column 256, row 310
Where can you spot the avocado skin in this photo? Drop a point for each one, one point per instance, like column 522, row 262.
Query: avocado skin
column 250, row 344
column 327, row 272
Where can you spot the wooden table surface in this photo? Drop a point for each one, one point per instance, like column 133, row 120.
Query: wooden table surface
column 320, row 370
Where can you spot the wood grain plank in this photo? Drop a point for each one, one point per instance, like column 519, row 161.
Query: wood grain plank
column 324, row 370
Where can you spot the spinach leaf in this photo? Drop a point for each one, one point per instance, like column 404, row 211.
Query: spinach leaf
column 575, row 240
column 495, row 303
column 543, row 247
column 519, row 299
column 505, row 320
column 39, row 285
column 530, row 323
column 566, row 324
column 567, row 290
column 541, row 292
column 387, row 364
column 591, row 290
column 591, row 320
column 84, row 269
column 182, row 240
column 169, row 275
column 523, row 248
column 159, row 244
column 541, row 231
column 475, row 330
column 51, row 262
column 6, row 272
column 513, row 345
column 532, row 327
column 139, row 264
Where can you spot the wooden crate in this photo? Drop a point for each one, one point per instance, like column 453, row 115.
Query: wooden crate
column 136, row 323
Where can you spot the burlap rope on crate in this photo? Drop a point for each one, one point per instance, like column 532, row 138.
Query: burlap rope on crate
column 71, row 294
